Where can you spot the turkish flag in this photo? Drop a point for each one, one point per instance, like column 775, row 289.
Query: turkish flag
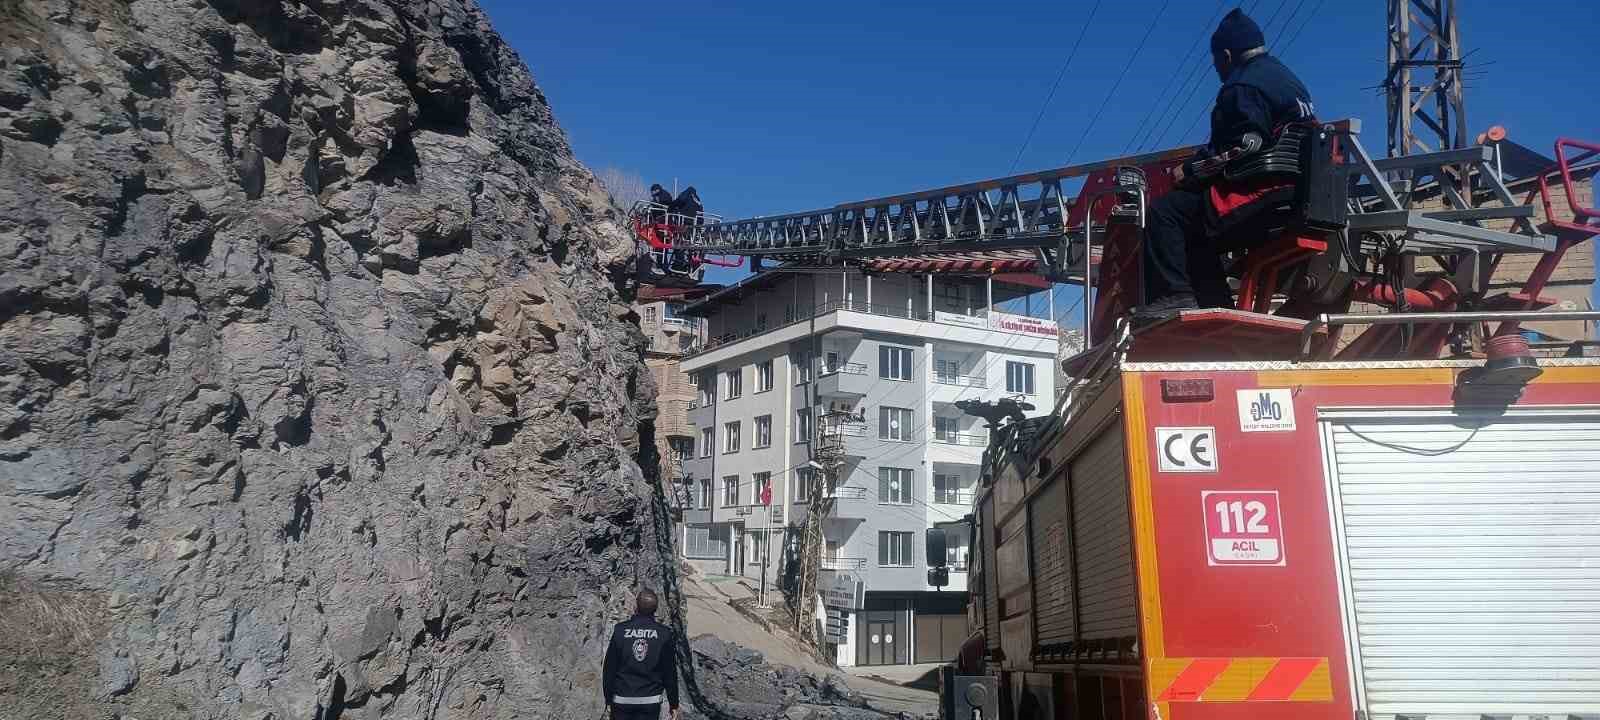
column 766, row 495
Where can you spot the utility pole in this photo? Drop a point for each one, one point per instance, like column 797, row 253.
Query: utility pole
column 1424, row 45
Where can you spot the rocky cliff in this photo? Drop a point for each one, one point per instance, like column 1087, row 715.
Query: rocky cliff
column 315, row 398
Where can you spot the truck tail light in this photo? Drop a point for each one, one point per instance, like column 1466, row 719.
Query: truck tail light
column 1188, row 390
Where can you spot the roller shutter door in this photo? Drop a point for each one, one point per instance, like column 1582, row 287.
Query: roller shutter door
column 1472, row 561
column 1052, row 570
column 1103, row 540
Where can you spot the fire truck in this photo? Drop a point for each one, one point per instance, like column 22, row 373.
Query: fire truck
column 1264, row 512
column 1359, row 492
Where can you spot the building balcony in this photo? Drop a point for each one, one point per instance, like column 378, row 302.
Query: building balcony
column 962, row 381
column 843, row 380
column 845, row 564
column 962, row 498
column 962, row 439
column 977, row 330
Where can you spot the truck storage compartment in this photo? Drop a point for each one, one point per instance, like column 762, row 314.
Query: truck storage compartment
column 1471, row 549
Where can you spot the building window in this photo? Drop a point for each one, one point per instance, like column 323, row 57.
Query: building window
column 956, row 551
column 764, row 376
column 1019, row 377
column 682, row 448
column 733, row 384
column 707, row 442
column 705, row 493
column 802, row 366
column 831, row 362
column 944, row 429
column 730, row 491
column 894, row 549
column 894, row 363
column 951, row 297
column 761, row 321
column 947, row 489
column 674, row 310
column 649, row 314
column 763, row 432
column 801, row 491
column 802, row 425
column 894, row 424
column 763, row 488
column 730, row 437
column 894, row 486
column 703, row 543
column 707, row 383
column 946, row 370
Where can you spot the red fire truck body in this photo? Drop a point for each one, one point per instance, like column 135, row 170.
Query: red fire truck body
column 1210, row 541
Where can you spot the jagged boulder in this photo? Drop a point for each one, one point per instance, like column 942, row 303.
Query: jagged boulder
column 313, row 385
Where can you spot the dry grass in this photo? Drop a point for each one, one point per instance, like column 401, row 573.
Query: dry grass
column 48, row 667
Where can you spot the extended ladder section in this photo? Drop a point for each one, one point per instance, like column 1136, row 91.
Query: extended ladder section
column 1452, row 208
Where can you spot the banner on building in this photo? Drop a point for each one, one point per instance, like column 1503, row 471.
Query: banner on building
column 950, row 318
column 1038, row 327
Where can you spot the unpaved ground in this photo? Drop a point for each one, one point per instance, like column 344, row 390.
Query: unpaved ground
column 708, row 599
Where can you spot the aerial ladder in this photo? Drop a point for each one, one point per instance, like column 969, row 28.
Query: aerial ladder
column 1354, row 233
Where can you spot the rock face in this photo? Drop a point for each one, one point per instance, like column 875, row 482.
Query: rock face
column 739, row 683
column 310, row 372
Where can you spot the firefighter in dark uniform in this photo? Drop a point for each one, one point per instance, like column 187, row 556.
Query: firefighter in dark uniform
column 641, row 668
column 1187, row 226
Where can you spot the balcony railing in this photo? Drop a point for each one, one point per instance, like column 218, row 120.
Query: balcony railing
column 971, row 381
column 844, row 563
column 849, row 368
column 952, row 497
column 963, row 439
column 845, row 429
column 848, row 492
column 803, row 315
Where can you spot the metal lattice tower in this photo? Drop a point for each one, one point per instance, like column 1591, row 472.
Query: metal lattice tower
column 1427, row 110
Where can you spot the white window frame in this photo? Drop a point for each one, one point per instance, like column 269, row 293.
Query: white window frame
column 730, row 491
column 730, row 437
column 801, row 483
column 894, row 363
column 733, row 383
column 1017, row 370
column 705, row 494
column 802, row 365
column 764, row 375
column 947, row 489
column 896, row 548
column 888, row 477
column 707, row 383
column 803, row 428
column 763, row 433
column 760, row 480
column 708, row 441
column 946, row 428
column 896, row 432
column 948, row 370
column 649, row 314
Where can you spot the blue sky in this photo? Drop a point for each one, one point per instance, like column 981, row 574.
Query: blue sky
column 785, row 106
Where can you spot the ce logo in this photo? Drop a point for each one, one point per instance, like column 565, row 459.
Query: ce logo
column 1189, row 449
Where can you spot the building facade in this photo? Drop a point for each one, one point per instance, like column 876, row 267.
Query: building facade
column 874, row 365
column 669, row 335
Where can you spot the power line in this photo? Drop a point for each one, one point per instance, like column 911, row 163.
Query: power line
column 1120, row 77
column 1051, row 95
column 1290, row 42
column 1166, row 88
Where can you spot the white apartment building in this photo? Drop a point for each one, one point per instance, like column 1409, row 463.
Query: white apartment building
column 880, row 362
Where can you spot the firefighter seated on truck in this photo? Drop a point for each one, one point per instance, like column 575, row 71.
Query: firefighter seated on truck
column 1188, row 226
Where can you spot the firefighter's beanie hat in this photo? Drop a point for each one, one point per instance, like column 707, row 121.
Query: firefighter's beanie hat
column 1237, row 32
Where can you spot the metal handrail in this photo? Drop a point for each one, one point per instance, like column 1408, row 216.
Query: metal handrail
column 844, row 563
column 957, row 497
column 975, row 381
column 1330, row 320
column 849, row 368
column 966, row 439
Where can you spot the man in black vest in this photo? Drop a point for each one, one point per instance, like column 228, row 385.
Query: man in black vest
column 641, row 667
column 1259, row 96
